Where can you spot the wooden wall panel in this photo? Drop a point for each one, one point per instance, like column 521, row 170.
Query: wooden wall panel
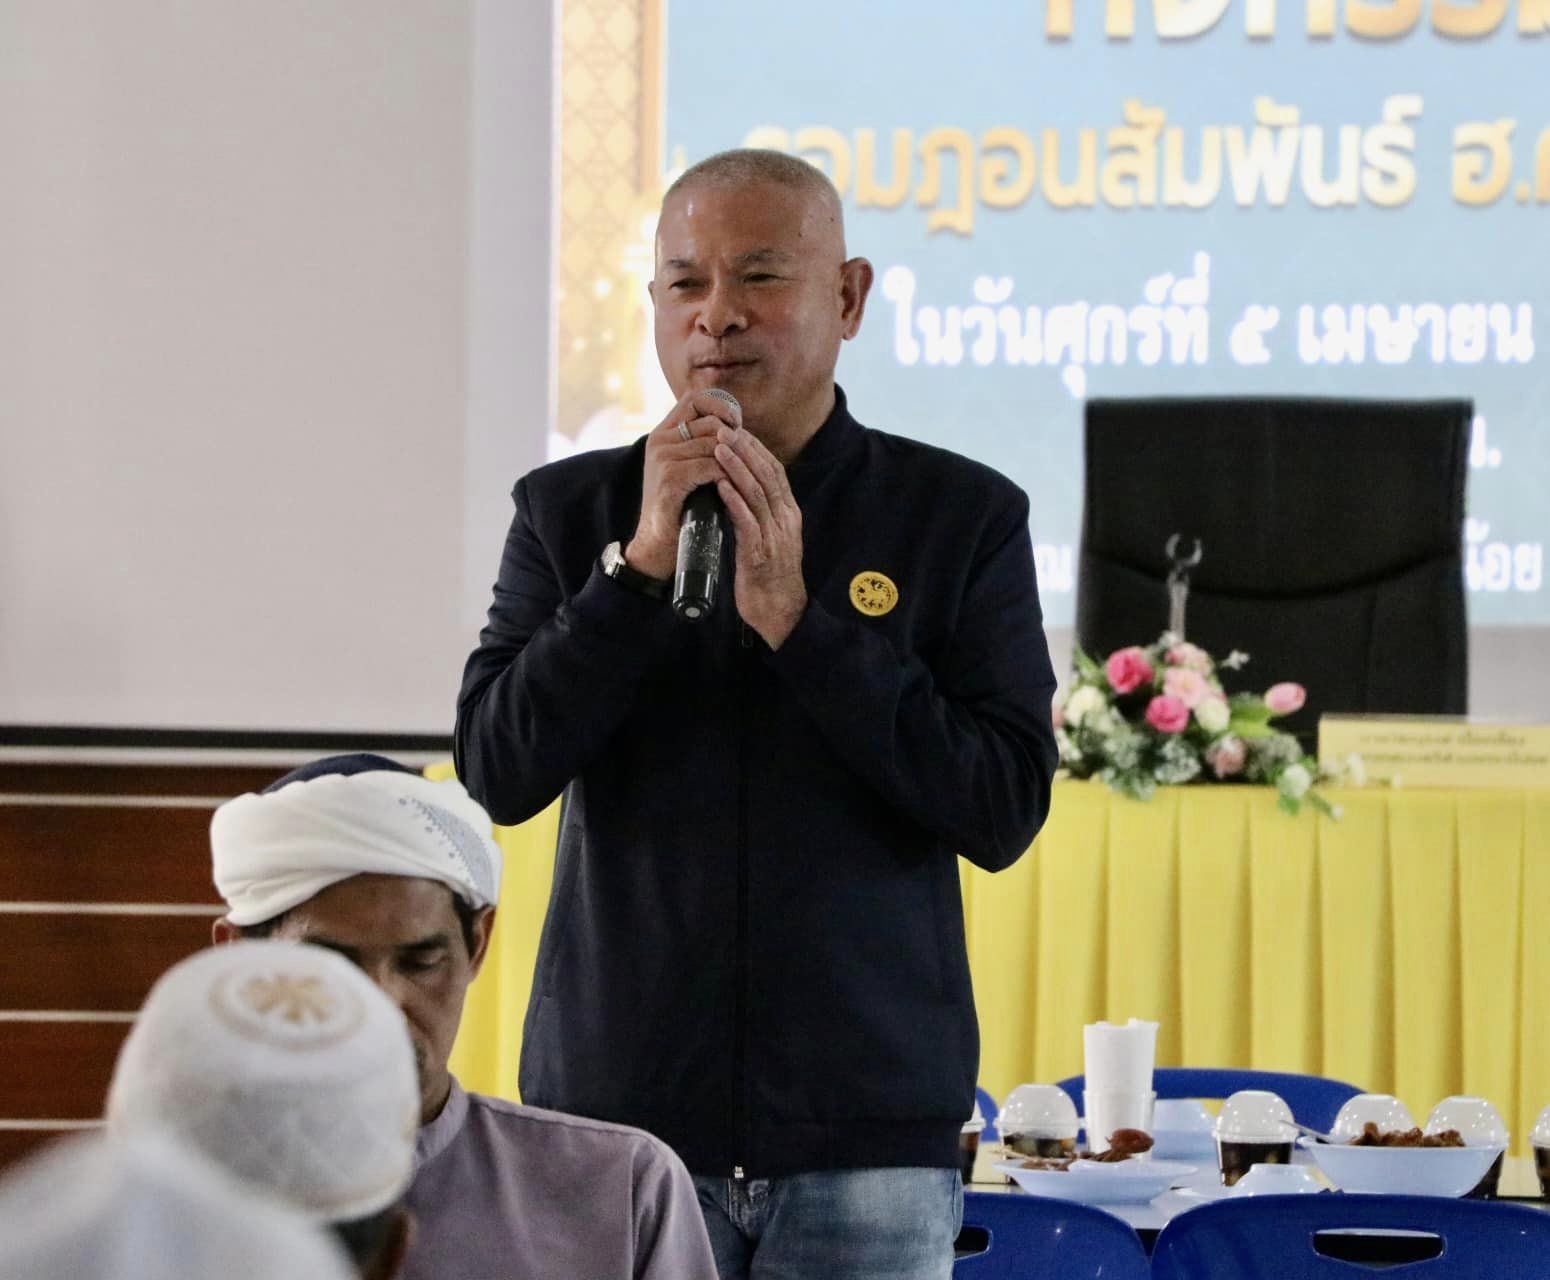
column 208, row 781
column 91, row 962
column 73, row 853
column 57, row 1070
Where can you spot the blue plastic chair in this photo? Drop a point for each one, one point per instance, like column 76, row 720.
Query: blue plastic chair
column 990, row 1111
column 1274, row 1237
column 1314, row 1100
column 1033, row 1236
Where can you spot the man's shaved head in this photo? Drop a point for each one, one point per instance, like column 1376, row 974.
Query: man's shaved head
column 749, row 166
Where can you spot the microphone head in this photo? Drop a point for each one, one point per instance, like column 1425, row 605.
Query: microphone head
column 731, row 399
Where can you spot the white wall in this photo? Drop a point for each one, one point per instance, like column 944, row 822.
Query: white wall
column 236, row 245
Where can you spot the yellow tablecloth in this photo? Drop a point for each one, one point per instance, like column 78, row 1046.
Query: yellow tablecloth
column 1405, row 947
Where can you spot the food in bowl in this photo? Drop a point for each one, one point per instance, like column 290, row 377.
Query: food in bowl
column 1403, row 1170
column 1372, row 1136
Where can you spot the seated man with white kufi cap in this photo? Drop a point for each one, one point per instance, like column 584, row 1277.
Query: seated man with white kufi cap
column 286, row 1066
column 125, row 1207
column 400, row 875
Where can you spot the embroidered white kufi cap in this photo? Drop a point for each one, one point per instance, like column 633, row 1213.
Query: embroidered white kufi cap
column 284, row 1063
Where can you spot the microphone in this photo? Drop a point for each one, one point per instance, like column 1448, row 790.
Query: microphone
column 701, row 532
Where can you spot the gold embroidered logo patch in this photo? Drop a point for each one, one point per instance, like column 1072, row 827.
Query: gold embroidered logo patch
column 873, row 593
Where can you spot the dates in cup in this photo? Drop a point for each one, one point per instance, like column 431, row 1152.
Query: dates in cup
column 1539, row 1136
column 1033, row 1144
column 1039, row 1120
column 1478, row 1124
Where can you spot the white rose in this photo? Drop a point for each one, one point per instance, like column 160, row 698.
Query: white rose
column 1295, row 781
column 1212, row 715
column 1082, row 703
column 1355, row 771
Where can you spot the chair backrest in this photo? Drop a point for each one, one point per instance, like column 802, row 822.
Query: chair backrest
column 990, row 1112
column 1332, row 535
column 1314, row 1100
column 1031, row 1236
column 1275, row 1236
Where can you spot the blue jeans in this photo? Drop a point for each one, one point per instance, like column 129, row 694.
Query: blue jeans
column 841, row 1224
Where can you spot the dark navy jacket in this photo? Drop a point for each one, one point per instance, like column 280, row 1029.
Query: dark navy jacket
column 754, row 946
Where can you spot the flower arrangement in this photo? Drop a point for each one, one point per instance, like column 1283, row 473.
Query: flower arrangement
column 1159, row 715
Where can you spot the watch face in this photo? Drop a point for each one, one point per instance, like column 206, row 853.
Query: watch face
column 618, row 568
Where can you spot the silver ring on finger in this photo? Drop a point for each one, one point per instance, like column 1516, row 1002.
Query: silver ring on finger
column 684, row 433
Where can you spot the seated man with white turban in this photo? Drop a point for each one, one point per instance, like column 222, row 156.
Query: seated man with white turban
column 400, row 875
column 287, row 1067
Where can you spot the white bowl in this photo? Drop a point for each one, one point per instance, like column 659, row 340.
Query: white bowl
column 1387, row 1112
column 1181, row 1130
column 1094, row 1182
column 1181, row 1115
column 1404, row 1171
column 1474, row 1119
column 1041, row 1110
column 1277, row 1180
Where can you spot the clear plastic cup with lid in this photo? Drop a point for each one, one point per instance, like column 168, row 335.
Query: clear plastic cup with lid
column 1253, row 1127
column 1038, row 1120
column 1539, row 1138
column 1386, row 1113
column 1479, row 1124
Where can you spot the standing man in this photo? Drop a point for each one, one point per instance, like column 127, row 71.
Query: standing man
column 754, row 947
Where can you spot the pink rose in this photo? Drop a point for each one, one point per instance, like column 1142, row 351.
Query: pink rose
column 1128, row 669
column 1187, row 685
column 1167, row 714
column 1226, row 757
column 1189, row 655
column 1285, row 698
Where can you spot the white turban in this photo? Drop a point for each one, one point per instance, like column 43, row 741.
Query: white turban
column 113, row 1208
column 285, row 1064
column 274, row 851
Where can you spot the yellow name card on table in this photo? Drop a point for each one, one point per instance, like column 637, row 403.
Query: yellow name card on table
column 1438, row 751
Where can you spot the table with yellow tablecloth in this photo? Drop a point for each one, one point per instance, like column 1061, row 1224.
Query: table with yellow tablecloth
column 1404, row 948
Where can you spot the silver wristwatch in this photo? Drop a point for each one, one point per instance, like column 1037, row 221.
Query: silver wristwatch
column 615, row 566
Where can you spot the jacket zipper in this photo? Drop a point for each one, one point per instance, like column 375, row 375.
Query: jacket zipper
column 742, row 963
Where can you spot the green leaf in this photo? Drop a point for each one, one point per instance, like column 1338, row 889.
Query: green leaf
column 1250, row 706
column 1288, row 804
column 1248, row 727
column 1086, row 667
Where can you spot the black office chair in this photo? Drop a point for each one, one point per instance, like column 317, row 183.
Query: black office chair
column 1331, row 533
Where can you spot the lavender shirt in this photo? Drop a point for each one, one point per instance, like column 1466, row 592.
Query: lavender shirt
column 504, row 1192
